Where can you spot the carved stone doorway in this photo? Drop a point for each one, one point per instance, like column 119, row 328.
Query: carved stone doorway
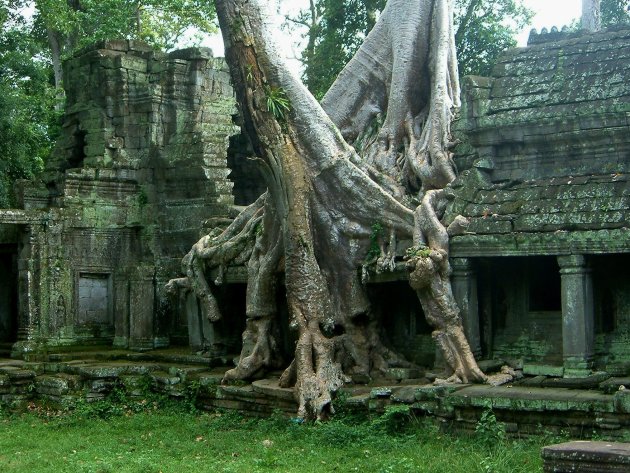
column 8, row 296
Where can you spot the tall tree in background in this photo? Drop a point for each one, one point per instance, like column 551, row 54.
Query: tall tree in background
column 615, row 12
column 28, row 121
column 70, row 24
column 334, row 30
column 485, row 28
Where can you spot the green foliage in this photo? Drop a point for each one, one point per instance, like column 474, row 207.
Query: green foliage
column 615, row 12
column 374, row 250
column 489, row 431
column 394, row 419
column 159, row 23
column 485, row 28
column 28, row 121
column 191, row 396
column 418, row 251
column 278, row 103
column 335, row 31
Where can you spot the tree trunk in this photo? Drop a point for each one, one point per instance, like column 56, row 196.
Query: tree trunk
column 324, row 198
column 591, row 15
column 55, row 52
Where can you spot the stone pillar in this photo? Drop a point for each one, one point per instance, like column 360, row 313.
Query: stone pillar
column 578, row 315
column 464, row 283
column 141, row 309
column 121, row 311
column 28, row 344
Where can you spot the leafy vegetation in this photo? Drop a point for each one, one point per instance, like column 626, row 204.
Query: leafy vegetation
column 152, row 434
column 277, row 102
column 485, row 28
column 37, row 36
column 615, row 12
column 28, row 120
column 334, row 30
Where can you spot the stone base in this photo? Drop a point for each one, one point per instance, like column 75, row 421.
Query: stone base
column 577, row 372
column 542, row 370
column 120, row 342
column 591, row 457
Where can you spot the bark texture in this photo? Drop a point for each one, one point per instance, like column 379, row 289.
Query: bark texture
column 376, row 151
column 591, row 15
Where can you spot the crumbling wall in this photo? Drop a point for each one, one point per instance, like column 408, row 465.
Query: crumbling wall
column 140, row 165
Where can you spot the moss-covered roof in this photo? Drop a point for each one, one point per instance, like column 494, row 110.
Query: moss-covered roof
column 587, row 75
column 589, row 212
column 547, row 165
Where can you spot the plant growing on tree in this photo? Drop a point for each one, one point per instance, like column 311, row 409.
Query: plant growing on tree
column 324, row 197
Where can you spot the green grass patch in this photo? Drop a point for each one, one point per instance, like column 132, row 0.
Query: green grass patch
column 165, row 438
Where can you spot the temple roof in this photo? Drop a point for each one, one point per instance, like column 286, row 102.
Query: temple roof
column 546, row 154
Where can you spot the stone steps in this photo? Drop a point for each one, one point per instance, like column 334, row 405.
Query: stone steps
column 522, row 408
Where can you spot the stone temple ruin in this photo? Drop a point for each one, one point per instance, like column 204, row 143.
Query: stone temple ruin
column 141, row 161
column 541, row 278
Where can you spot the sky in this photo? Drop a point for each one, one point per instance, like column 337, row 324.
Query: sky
column 548, row 13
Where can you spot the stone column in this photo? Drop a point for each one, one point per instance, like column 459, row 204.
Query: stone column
column 141, row 309
column 578, row 315
column 28, row 345
column 121, row 310
column 464, row 283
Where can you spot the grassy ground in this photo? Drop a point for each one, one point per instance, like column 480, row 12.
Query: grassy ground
column 144, row 437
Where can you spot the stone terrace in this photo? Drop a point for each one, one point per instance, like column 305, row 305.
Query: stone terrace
column 582, row 407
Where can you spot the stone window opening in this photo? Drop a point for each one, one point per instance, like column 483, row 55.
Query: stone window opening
column 8, row 294
column 77, row 154
column 95, row 299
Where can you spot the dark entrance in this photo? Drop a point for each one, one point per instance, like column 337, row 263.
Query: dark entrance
column 8, row 295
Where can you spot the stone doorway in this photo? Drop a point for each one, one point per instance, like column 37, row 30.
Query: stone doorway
column 8, row 295
column 520, row 309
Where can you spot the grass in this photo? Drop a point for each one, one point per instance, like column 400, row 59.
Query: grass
column 152, row 439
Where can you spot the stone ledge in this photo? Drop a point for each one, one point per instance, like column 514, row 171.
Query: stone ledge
column 592, row 457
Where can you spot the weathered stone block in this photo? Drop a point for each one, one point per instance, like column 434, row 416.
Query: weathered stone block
column 583, row 456
column 622, row 401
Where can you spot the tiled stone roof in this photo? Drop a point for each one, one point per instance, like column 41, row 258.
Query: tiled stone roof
column 546, row 160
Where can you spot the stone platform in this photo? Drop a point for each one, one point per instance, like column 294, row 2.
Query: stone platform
column 587, row 457
column 533, row 405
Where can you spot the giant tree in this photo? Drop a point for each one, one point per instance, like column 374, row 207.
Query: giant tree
column 377, row 150
column 334, row 30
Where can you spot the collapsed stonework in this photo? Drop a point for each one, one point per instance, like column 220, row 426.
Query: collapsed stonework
column 140, row 163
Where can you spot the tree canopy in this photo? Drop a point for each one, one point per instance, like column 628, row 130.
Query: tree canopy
column 485, row 28
column 160, row 23
column 334, row 30
column 27, row 116
column 615, row 12
column 33, row 43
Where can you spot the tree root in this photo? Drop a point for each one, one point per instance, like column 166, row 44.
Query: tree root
column 259, row 352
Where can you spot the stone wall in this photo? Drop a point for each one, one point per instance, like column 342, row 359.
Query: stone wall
column 140, row 165
column 544, row 177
